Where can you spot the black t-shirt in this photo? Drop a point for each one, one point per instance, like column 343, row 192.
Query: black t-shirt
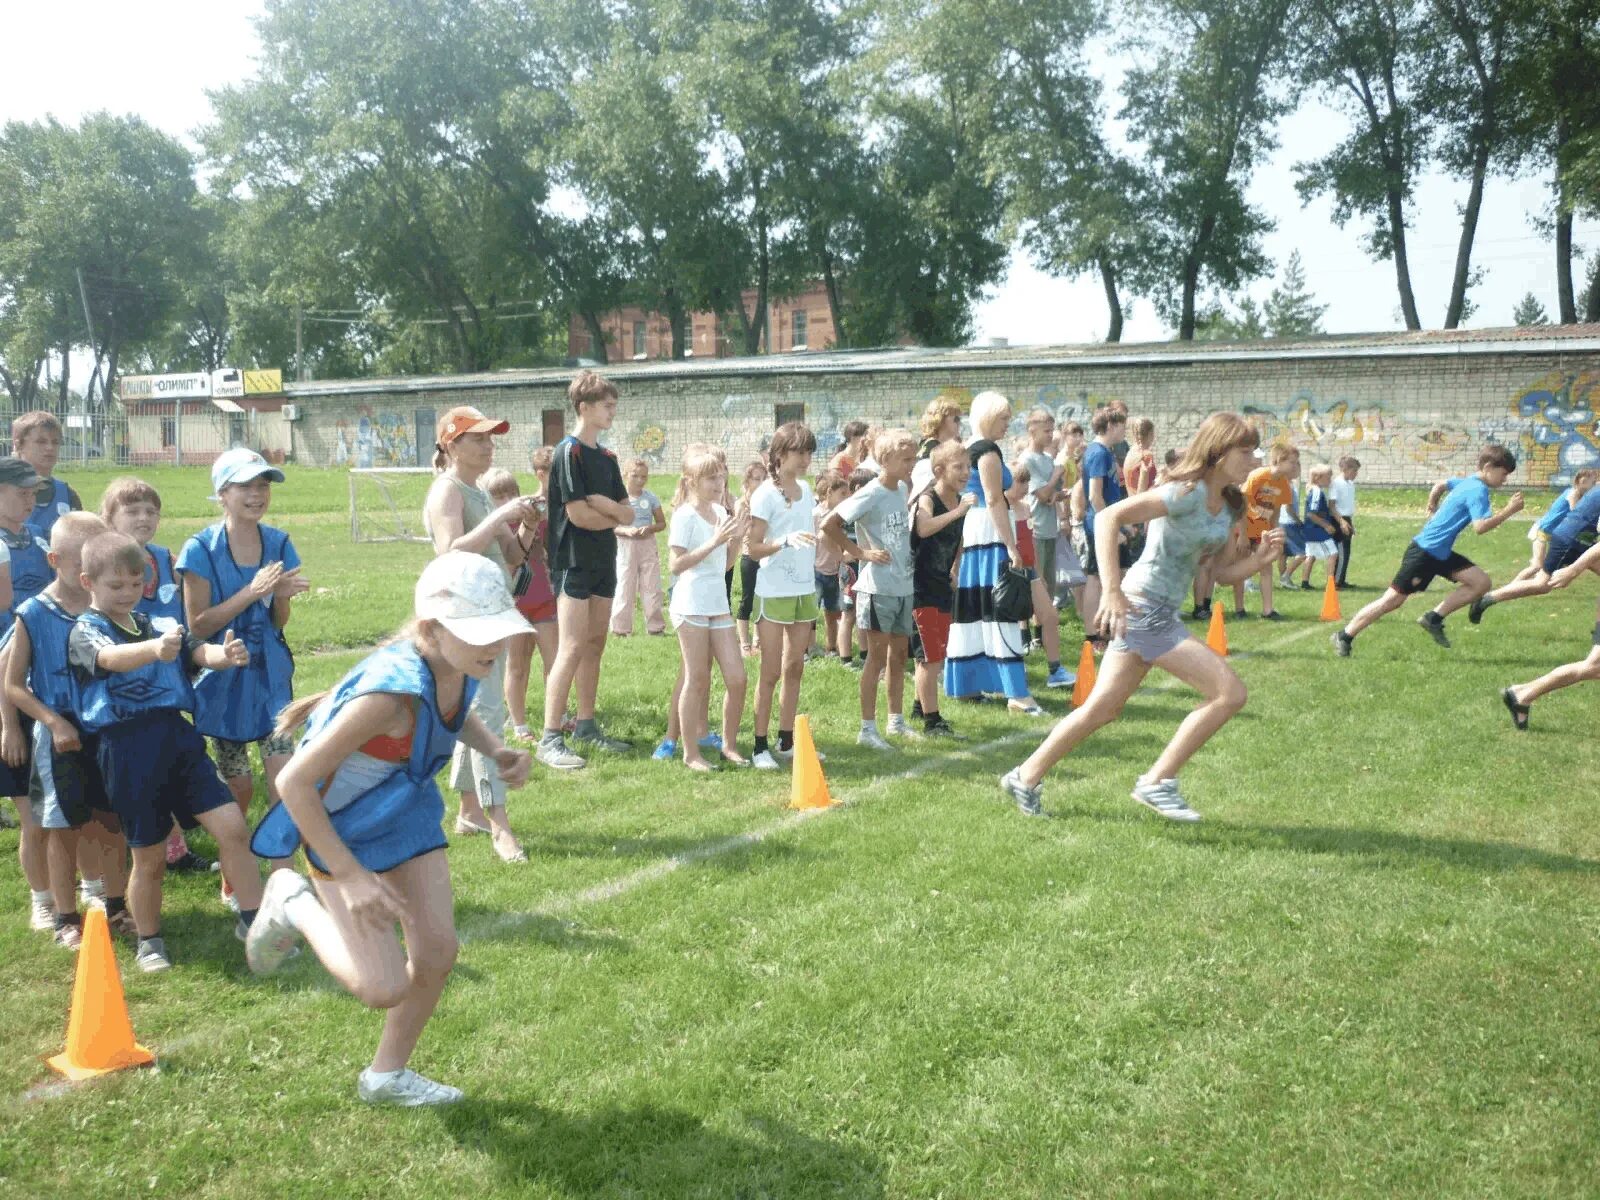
column 932, row 559
column 580, row 471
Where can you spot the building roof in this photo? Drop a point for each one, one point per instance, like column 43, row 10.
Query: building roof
column 1532, row 339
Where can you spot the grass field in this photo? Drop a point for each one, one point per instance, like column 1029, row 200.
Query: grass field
column 1372, row 970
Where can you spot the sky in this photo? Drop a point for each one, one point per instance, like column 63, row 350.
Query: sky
column 158, row 58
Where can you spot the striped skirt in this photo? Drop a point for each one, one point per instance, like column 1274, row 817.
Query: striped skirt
column 984, row 655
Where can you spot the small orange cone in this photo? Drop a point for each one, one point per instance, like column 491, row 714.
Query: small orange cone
column 808, row 788
column 1086, row 676
column 1330, row 602
column 99, row 1033
column 1217, row 635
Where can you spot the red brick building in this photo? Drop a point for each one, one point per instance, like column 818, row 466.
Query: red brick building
column 800, row 322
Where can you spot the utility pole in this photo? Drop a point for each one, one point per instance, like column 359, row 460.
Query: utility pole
column 94, row 349
column 299, row 345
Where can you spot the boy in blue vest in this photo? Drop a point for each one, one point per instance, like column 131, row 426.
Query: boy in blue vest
column 134, row 692
column 36, row 439
column 24, row 573
column 1455, row 504
column 65, row 791
column 133, row 507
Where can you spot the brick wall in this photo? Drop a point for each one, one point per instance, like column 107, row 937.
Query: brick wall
column 1410, row 419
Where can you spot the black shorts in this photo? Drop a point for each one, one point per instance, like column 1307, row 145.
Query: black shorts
column 1091, row 562
column 1419, row 568
column 586, row 583
column 1562, row 552
column 748, row 568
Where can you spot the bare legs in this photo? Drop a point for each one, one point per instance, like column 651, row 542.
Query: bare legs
column 699, row 648
column 582, row 628
column 519, row 667
column 783, row 655
column 885, row 652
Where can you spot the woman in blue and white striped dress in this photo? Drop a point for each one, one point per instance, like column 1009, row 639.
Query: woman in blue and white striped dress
column 985, row 655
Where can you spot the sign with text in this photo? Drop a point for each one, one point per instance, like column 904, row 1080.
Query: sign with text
column 263, row 383
column 227, row 382
column 165, row 387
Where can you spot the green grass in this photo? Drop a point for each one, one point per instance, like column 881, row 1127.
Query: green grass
column 1371, row 971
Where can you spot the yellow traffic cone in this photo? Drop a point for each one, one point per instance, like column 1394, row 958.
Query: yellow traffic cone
column 808, row 787
column 99, row 1033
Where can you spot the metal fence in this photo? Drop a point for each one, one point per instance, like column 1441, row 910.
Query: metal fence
column 119, row 440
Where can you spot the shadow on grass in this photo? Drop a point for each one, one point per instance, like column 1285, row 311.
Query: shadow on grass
column 1384, row 847
column 480, row 923
column 644, row 1150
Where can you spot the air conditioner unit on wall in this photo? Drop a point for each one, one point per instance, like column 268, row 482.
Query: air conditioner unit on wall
column 291, row 412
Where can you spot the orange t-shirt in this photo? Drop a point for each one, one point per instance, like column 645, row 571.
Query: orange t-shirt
column 843, row 464
column 1265, row 492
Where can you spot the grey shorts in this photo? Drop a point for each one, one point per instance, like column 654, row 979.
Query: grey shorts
column 885, row 614
column 233, row 758
column 1153, row 630
column 1044, row 555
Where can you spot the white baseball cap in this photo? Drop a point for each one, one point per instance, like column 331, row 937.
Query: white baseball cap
column 240, row 465
column 467, row 594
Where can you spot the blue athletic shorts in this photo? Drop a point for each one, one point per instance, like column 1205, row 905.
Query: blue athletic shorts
column 156, row 770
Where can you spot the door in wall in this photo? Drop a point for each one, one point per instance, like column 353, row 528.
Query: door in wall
column 427, row 434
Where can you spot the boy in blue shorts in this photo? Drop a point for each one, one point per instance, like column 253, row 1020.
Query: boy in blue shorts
column 1570, row 537
column 1455, row 504
column 135, row 693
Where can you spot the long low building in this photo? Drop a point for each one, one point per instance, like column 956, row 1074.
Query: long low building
column 1413, row 407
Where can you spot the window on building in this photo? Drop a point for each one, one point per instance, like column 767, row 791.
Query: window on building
column 554, row 422
column 169, row 433
column 799, row 321
column 638, row 338
column 782, row 414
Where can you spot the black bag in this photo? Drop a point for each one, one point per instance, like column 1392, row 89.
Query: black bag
column 521, row 581
column 1013, row 594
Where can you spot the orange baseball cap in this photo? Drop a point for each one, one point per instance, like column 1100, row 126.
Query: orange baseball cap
column 466, row 419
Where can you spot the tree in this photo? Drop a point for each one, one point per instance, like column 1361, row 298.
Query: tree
column 1466, row 93
column 1291, row 309
column 1529, row 312
column 1365, row 56
column 1214, row 323
column 1204, row 108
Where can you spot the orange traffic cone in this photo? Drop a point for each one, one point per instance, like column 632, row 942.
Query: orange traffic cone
column 1330, row 602
column 1217, row 635
column 1086, row 676
column 808, row 788
column 99, row 1033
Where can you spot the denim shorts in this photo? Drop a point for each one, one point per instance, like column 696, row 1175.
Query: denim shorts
column 1153, row 629
column 829, row 598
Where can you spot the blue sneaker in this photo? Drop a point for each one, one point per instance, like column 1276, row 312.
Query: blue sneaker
column 1060, row 678
column 668, row 749
column 711, row 741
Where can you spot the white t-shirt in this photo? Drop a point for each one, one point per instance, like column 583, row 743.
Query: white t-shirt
column 792, row 571
column 5, row 554
column 1342, row 495
column 699, row 591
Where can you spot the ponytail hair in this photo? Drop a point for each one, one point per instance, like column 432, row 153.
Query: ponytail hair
column 441, row 460
column 297, row 711
column 1218, row 434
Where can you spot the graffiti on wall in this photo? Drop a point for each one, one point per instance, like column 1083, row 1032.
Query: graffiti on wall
column 373, row 440
column 1560, row 431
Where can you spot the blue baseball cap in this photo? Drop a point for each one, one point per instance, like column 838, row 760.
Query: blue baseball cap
column 240, row 465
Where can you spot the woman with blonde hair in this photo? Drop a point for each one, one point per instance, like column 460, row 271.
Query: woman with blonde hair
column 1194, row 517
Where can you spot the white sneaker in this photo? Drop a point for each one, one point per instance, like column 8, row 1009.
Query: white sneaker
column 273, row 937
column 152, row 956
column 405, row 1089
column 1162, row 796
column 761, row 762
column 900, row 727
column 230, row 902
column 558, row 757
column 872, row 739
column 42, row 916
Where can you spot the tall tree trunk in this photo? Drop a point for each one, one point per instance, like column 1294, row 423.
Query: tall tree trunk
column 65, row 397
column 597, row 334
column 676, row 319
column 1591, row 299
column 1108, row 276
column 1402, row 258
column 835, row 308
column 1469, row 231
column 758, row 332
column 1564, row 295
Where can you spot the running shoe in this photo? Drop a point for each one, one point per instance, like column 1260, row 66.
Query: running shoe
column 1274, row 615
column 711, row 741
column 1433, row 623
column 1060, row 678
column 1162, row 796
column 900, row 727
column 405, row 1089
column 42, row 917
column 600, row 741
column 191, row 863
column 1343, row 643
column 555, row 755
column 122, row 924
column 1479, row 607
column 942, row 729
column 765, row 762
column 273, row 938
column 872, row 740
column 152, row 956
column 69, row 936
column 1029, row 799
column 666, row 751
column 230, row 902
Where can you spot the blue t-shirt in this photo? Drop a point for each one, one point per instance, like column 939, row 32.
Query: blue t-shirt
column 1099, row 463
column 1466, row 501
column 1582, row 519
column 1558, row 510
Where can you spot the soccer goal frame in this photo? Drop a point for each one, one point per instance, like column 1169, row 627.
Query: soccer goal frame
column 383, row 511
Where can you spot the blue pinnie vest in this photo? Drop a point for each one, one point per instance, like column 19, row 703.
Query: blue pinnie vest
column 30, row 568
column 398, row 818
column 117, row 697
column 46, row 514
column 243, row 704
column 163, row 598
column 50, row 676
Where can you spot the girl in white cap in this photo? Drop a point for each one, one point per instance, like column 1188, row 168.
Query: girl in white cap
column 372, row 831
